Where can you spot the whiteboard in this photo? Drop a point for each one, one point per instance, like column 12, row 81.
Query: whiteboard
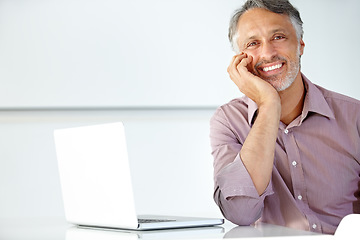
column 162, row 53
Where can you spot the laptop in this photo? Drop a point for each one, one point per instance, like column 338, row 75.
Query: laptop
column 96, row 181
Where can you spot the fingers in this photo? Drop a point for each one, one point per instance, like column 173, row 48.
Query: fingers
column 240, row 60
column 237, row 59
column 237, row 70
column 239, row 66
column 245, row 62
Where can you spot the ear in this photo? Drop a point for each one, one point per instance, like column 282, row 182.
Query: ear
column 302, row 46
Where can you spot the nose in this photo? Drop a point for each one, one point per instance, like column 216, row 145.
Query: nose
column 268, row 51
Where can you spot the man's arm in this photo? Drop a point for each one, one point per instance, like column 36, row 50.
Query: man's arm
column 243, row 169
column 235, row 193
column 257, row 152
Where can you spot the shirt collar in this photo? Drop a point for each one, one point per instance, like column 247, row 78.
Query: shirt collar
column 314, row 102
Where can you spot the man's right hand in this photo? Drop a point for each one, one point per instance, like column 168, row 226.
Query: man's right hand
column 257, row 89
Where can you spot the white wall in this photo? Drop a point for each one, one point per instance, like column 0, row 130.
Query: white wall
column 97, row 51
column 331, row 43
column 170, row 144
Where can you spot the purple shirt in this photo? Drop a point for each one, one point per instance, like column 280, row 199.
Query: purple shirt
column 316, row 175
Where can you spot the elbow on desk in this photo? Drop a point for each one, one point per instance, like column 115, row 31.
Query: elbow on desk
column 239, row 210
column 242, row 218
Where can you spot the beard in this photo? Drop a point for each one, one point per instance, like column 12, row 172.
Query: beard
column 278, row 82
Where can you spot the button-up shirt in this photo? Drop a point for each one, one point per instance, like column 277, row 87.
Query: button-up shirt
column 316, row 174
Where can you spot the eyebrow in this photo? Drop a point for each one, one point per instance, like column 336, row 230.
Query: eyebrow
column 280, row 30
column 276, row 30
column 242, row 46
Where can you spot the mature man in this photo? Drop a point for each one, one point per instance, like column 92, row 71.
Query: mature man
column 288, row 152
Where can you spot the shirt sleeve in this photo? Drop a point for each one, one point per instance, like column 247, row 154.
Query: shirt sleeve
column 234, row 193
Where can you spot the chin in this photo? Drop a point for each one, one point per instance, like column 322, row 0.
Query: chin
column 281, row 85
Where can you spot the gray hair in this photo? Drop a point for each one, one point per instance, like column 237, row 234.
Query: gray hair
column 275, row 6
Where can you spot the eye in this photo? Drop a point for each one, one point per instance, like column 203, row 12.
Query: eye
column 279, row 37
column 251, row 44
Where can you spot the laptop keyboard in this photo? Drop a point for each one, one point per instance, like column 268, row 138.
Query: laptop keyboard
column 154, row 220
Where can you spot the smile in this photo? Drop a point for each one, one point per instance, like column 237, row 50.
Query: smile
column 271, row 68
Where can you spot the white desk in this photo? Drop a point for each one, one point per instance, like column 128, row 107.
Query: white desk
column 58, row 229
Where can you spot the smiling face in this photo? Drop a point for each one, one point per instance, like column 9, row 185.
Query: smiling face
column 271, row 40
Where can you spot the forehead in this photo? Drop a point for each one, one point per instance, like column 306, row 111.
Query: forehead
column 257, row 22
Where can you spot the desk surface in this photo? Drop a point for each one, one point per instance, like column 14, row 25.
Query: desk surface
column 58, row 229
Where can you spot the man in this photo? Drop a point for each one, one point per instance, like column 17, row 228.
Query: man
column 288, row 152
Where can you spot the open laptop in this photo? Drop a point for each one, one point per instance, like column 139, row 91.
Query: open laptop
column 96, row 181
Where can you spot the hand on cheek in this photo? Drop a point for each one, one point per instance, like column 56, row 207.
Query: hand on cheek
column 241, row 72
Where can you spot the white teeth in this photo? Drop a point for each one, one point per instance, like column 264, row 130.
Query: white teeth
column 266, row 69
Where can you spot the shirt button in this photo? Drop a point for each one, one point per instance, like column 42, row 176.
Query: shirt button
column 299, row 197
column 314, row 226
column 286, row 131
column 294, row 163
